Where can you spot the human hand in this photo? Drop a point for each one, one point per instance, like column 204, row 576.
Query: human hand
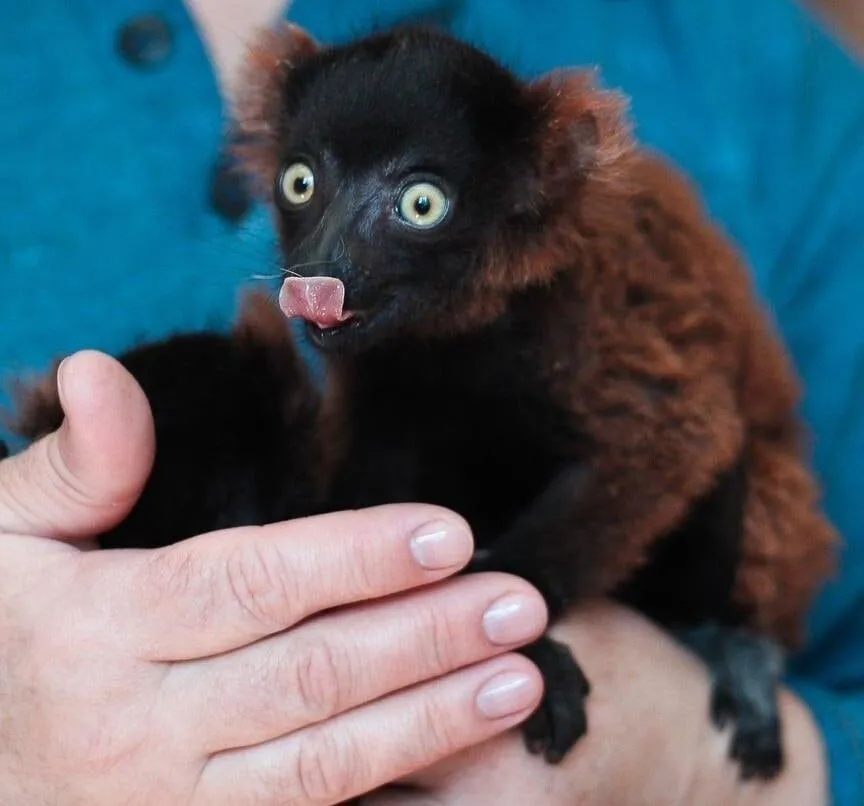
column 649, row 741
column 226, row 669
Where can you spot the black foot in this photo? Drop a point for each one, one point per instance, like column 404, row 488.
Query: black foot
column 561, row 720
column 746, row 671
column 4, row 450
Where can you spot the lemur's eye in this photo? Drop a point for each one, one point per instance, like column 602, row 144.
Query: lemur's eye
column 423, row 205
column 297, row 184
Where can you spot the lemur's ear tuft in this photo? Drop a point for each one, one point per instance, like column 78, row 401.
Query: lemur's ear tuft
column 585, row 129
column 260, row 111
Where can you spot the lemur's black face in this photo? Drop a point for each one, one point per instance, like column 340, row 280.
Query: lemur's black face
column 400, row 156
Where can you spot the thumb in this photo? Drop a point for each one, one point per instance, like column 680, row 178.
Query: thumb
column 84, row 478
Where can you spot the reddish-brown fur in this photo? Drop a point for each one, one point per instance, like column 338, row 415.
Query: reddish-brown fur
column 258, row 108
column 643, row 328
column 671, row 343
column 674, row 344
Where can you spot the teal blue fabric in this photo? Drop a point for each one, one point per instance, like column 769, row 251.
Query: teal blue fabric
column 106, row 235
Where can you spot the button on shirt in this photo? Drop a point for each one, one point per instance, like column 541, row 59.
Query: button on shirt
column 118, row 218
column 145, row 40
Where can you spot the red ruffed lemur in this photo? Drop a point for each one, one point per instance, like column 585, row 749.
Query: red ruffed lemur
column 522, row 315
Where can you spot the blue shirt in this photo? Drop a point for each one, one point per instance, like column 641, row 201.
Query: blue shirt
column 108, row 233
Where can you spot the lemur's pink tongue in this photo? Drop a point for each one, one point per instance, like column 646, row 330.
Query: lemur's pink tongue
column 315, row 299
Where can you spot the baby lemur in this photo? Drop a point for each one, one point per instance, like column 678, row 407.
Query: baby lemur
column 524, row 316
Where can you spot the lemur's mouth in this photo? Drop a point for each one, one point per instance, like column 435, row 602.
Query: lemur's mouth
column 318, row 300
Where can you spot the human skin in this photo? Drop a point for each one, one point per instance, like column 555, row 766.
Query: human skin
column 649, row 741
column 227, row 27
column 633, row 758
column 209, row 672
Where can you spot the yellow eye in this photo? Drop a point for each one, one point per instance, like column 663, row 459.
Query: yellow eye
column 297, row 183
column 423, row 205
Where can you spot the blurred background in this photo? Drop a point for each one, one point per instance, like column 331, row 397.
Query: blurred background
column 121, row 218
column 846, row 18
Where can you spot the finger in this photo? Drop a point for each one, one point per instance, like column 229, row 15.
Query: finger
column 407, row 796
column 84, row 478
column 464, row 778
column 378, row 743
column 227, row 589
column 345, row 659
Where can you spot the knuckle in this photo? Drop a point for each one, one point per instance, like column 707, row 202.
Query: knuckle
column 320, row 671
column 16, row 508
column 175, row 572
column 365, row 570
column 32, row 485
column 442, row 640
column 436, row 729
column 64, row 486
column 261, row 587
column 328, row 770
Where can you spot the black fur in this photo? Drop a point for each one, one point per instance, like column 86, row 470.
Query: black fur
column 373, row 117
column 235, row 435
column 745, row 672
column 448, row 393
column 690, row 577
column 447, row 407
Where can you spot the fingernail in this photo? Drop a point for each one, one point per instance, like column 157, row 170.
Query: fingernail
column 441, row 545
column 507, row 694
column 514, row 618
